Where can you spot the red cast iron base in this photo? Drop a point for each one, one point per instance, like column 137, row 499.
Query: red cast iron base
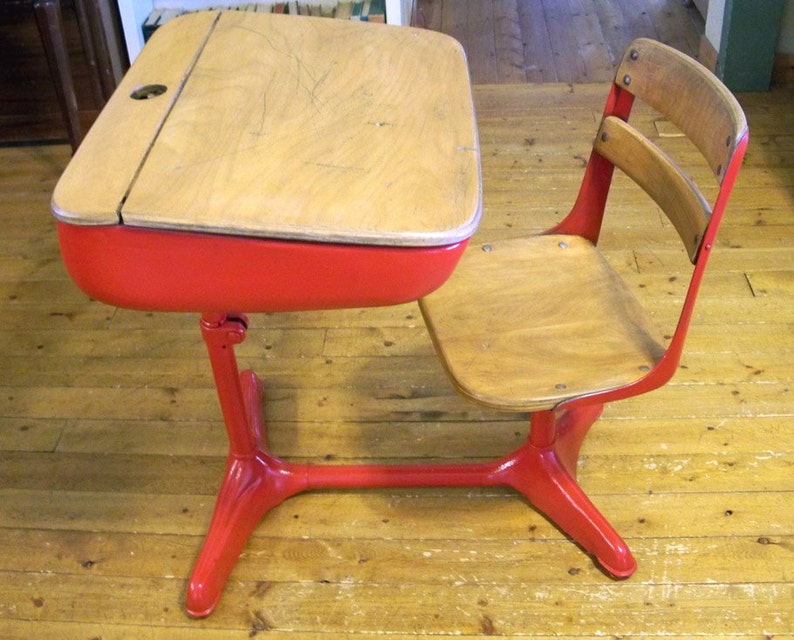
column 543, row 470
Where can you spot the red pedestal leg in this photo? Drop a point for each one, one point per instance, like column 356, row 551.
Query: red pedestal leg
column 254, row 481
column 544, row 470
column 251, row 487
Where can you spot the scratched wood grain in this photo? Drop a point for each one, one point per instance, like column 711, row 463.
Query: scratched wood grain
column 281, row 128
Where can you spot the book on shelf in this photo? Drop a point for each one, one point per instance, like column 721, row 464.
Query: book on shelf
column 376, row 11
column 157, row 18
column 344, row 11
column 366, row 10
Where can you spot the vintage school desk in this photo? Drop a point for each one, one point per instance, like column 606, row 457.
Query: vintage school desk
column 261, row 163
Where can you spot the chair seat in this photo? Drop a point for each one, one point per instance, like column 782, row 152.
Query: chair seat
column 526, row 324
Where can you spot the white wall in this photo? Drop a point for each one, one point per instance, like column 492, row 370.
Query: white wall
column 714, row 17
column 716, row 12
column 785, row 43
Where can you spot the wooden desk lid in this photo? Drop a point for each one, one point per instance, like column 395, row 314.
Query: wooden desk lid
column 286, row 127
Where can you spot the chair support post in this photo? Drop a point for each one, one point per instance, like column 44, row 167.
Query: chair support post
column 587, row 213
column 543, row 429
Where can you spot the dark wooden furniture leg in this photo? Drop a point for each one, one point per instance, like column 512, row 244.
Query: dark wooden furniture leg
column 50, row 23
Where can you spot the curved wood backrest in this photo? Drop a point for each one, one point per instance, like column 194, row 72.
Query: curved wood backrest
column 689, row 95
column 659, row 177
column 695, row 101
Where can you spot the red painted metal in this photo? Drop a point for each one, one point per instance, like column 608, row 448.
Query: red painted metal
column 543, row 470
column 587, row 213
column 162, row 270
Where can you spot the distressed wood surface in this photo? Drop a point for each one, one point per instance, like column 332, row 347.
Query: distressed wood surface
column 279, row 127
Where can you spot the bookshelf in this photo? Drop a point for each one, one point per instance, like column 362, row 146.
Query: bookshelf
column 134, row 13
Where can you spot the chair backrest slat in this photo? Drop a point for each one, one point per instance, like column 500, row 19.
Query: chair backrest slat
column 689, row 95
column 658, row 176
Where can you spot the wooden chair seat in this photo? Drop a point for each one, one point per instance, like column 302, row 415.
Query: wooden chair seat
column 543, row 323
column 526, row 324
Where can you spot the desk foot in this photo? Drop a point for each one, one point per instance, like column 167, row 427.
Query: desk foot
column 544, row 471
column 251, row 488
column 253, row 484
column 254, row 481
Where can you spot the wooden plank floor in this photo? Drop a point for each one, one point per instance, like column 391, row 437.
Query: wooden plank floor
column 514, row 41
column 112, row 447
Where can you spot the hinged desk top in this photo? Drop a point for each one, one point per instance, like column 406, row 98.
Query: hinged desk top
column 285, row 127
